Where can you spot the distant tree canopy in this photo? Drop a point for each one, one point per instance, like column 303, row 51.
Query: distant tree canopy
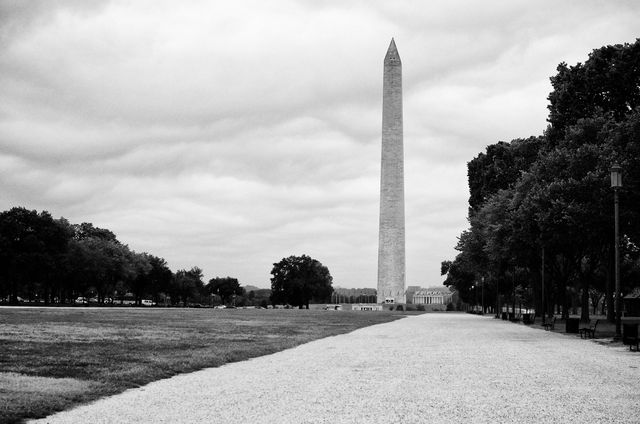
column 52, row 260
column 49, row 260
column 32, row 251
column 225, row 287
column 188, row 285
column 552, row 194
column 299, row 279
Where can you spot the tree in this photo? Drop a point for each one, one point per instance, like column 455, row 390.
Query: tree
column 552, row 194
column 87, row 230
column 141, row 283
column 187, row 285
column 225, row 288
column 298, row 279
column 46, row 258
column 500, row 167
column 102, row 263
column 31, row 245
column 607, row 83
column 160, row 277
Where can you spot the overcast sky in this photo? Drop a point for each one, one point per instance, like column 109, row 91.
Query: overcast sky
column 231, row 134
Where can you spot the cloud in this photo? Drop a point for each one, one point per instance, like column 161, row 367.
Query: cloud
column 230, row 135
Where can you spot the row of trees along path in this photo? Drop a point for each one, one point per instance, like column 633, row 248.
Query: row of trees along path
column 549, row 196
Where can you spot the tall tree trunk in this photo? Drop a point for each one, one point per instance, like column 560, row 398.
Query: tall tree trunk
column 513, row 292
column 565, row 302
column 584, row 316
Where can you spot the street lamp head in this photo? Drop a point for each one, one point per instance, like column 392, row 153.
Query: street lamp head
column 616, row 176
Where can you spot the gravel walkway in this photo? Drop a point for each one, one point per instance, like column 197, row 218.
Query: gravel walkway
column 427, row 368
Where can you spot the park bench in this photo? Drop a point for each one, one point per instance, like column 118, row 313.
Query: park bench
column 630, row 335
column 550, row 325
column 588, row 331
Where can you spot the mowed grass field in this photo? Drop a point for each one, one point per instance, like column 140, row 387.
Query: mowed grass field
column 54, row 358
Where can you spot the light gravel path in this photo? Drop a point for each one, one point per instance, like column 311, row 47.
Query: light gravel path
column 429, row 368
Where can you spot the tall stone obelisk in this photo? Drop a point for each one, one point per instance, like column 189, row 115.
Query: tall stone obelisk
column 391, row 254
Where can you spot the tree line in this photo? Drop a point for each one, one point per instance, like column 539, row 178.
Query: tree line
column 53, row 261
column 541, row 208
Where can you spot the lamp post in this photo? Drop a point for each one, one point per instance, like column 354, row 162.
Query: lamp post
column 475, row 291
column 542, row 285
column 616, row 183
column 498, row 306
column 482, row 295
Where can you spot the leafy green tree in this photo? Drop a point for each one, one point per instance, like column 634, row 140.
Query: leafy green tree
column 87, row 230
column 45, row 258
column 225, row 287
column 160, row 277
column 31, row 245
column 552, row 193
column 141, row 282
column 102, row 264
column 500, row 167
column 188, row 285
column 607, row 83
column 298, row 279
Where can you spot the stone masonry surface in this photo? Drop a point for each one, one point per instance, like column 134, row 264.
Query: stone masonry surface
column 444, row 368
column 391, row 245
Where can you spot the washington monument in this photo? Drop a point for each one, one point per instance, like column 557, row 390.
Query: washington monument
column 391, row 264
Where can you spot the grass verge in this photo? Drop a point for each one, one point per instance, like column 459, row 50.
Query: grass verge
column 54, row 358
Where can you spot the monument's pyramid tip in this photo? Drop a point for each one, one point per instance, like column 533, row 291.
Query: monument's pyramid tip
column 392, row 57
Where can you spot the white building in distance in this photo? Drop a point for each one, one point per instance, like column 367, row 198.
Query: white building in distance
column 432, row 296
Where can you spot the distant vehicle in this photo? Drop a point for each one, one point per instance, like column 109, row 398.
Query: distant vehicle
column 8, row 299
column 332, row 307
column 127, row 300
column 147, row 302
column 93, row 300
column 81, row 301
column 219, row 307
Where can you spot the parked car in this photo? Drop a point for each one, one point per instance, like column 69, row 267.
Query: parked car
column 81, row 301
column 147, row 302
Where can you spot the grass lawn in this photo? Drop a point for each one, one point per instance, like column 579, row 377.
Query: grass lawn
column 54, row 358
